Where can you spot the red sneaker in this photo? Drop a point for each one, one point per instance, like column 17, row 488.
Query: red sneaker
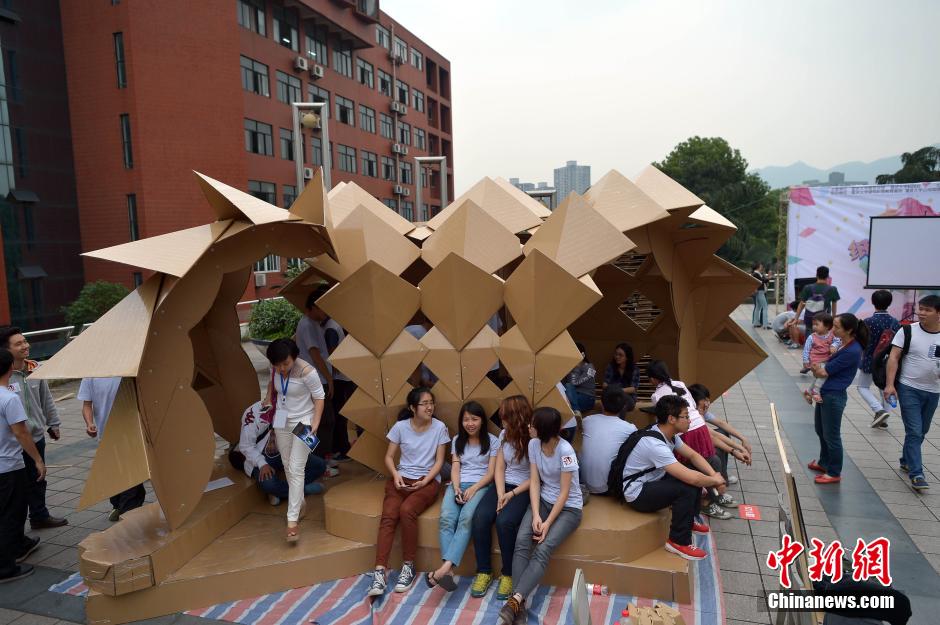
column 689, row 552
column 815, row 466
column 699, row 528
column 827, row 479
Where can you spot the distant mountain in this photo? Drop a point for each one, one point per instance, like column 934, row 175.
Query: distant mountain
column 855, row 171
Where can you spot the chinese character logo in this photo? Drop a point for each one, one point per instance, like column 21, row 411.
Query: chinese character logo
column 782, row 559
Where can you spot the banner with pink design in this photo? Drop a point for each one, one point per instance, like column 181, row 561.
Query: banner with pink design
column 830, row 226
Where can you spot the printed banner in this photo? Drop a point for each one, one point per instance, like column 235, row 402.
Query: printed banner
column 830, row 226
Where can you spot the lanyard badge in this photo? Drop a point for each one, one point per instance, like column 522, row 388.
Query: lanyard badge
column 280, row 414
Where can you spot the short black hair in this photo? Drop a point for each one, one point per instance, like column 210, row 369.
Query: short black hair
column 6, row 333
column 824, row 318
column 669, row 406
column 881, row 299
column 612, row 399
column 930, row 301
column 316, row 294
column 822, row 272
column 699, row 392
column 794, row 305
column 280, row 349
column 6, row 361
column 547, row 423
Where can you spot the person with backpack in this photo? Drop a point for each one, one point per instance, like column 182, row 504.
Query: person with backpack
column 647, row 475
column 913, row 379
column 880, row 325
column 603, row 434
column 817, row 297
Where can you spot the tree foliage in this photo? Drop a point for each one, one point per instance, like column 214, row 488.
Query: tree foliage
column 273, row 319
column 94, row 300
column 920, row 166
column 717, row 174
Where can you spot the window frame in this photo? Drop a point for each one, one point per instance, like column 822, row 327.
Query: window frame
column 256, row 137
column 370, row 163
column 366, row 118
column 119, row 60
column 384, row 77
column 346, row 158
column 290, row 86
column 340, row 104
column 365, row 73
column 280, row 18
column 256, row 78
column 342, row 57
column 383, row 37
column 127, row 143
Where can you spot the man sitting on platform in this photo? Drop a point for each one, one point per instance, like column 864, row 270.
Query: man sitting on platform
column 603, row 435
column 258, row 454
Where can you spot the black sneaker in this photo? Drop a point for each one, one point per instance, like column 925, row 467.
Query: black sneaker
column 904, row 468
column 881, row 419
column 918, row 483
column 21, row 571
column 31, row 545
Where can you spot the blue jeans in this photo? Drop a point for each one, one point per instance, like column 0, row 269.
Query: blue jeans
column 456, row 522
column 828, row 420
column 917, row 408
column 579, row 401
column 316, row 467
column 507, row 526
column 759, row 316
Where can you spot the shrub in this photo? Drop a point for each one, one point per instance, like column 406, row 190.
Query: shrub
column 94, row 300
column 273, row 319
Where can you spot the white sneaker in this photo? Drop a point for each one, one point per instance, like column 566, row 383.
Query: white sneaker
column 732, row 479
column 274, row 500
column 331, row 472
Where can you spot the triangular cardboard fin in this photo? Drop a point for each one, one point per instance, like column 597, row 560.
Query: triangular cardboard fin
column 664, row 190
column 471, row 233
column 477, row 358
column 311, row 204
column 443, row 360
column 231, row 203
column 398, row 363
column 344, row 198
column 623, row 203
column 369, row 450
column 446, row 406
column 539, row 209
column 515, row 213
column 553, row 363
column 358, row 364
column 367, row 413
column 707, row 215
column 519, row 359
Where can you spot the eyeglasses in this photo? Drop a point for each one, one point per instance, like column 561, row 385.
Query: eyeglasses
column 425, row 403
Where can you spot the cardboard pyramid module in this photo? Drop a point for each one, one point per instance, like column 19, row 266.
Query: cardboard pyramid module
column 472, row 234
column 512, row 208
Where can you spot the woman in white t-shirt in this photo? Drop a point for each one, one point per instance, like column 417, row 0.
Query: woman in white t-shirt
column 412, row 486
column 555, row 497
column 506, row 504
column 473, row 461
column 298, row 396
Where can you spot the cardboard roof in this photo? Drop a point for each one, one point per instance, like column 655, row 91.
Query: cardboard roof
column 173, row 253
column 122, row 331
column 459, row 298
column 311, row 205
column 578, row 238
column 398, row 362
column 664, row 190
column 443, row 360
column 357, row 363
column 475, row 236
column 544, row 299
column 623, row 203
column 231, row 203
column 343, row 200
column 505, row 205
column 373, row 304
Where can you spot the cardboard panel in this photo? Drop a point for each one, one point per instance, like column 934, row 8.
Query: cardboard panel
column 369, row 450
column 544, row 299
column 509, row 206
column 443, row 360
column 523, row 198
column 664, row 190
column 553, row 363
column 489, row 396
column 517, row 356
column 363, row 305
column 420, row 233
column 578, row 238
column 398, row 363
column 446, row 406
column 356, row 362
column 726, row 356
column 345, row 197
column 475, row 236
column 311, row 204
column 477, row 358
column 557, row 400
column 302, row 285
column 231, row 203
column 367, row 413
column 459, row 298
column 623, row 203
column 121, row 459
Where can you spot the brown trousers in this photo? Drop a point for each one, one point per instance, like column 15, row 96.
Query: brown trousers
column 402, row 506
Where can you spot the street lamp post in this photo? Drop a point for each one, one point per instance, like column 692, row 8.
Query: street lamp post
column 420, row 161
column 310, row 120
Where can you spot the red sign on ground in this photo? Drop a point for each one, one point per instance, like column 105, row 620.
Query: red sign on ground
column 749, row 513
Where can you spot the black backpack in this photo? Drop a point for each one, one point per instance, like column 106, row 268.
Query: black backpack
column 616, row 482
column 879, row 358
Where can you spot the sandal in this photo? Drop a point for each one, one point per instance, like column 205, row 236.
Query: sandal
column 293, row 533
column 447, row 582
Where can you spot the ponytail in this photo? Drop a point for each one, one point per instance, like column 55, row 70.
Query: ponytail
column 411, row 402
column 658, row 369
column 858, row 329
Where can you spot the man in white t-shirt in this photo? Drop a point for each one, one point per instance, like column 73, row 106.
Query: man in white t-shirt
column 603, row 435
column 917, row 388
column 654, row 479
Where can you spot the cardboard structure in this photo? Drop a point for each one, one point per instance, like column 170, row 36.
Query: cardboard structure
column 502, row 280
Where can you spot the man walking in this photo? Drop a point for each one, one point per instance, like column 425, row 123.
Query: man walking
column 15, row 546
column 817, row 297
column 916, row 353
column 42, row 417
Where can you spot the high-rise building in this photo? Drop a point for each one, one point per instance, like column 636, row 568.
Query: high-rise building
column 158, row 89
column 571, row 177
column 39, row 267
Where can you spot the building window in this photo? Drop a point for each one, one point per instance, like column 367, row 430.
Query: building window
column 289, row 192
column 251, row 16
column 285, row 27
column 347, row 159
column 316, row 44
column 258, row 138
column 401, row 92
column 420, row 141
column 318, row 94
column 388, row 168
column 401, row 49
column 407, row 210
column 132, row 216
column 288, row 87
column 386, row 126
column 119, row 60
column 138, row 279
column 344, row 111
column 287, row 144
column 126, row 146
column 385, row 83
column 367, row 118
column 342, row 58
column 370, row 164
column 268, row 264
column 392, row 204
column 262, row 190
column 316, row 151
column 255, row 76
column 417, row 59
column 22, row 159
column 365, row 73
column 404, row 133
column 406, row 173
column 423, row 176
column 382, row 36
column 417, row 99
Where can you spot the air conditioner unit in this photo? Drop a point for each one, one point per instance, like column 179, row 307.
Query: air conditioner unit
column 399, row 190
column 300, row 63
column 399, row 108
column 261, row 279
column 308, row 173
column 316, row 71
column 399, row 148
column 406, row 191
column 396, row 58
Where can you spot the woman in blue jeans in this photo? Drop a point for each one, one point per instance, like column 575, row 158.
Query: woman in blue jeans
column 839, row 372
column 508, row 502
column 473, row 462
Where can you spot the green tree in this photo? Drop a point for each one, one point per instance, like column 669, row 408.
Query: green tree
column 273, row 319
column 717, row 173
column 920, row 166
column 94, row 300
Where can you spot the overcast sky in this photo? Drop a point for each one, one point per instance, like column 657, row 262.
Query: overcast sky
column 616, row 84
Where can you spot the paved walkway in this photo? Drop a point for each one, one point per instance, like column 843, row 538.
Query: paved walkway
column 872, row 500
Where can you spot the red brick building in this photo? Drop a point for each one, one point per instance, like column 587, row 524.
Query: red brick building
column 158, row 89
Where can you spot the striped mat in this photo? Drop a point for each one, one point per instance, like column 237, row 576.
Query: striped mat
column 344, row 602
